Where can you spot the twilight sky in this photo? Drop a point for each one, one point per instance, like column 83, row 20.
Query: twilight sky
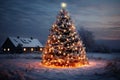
column 34, row 18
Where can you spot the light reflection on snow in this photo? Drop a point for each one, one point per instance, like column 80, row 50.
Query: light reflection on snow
column 91, row 64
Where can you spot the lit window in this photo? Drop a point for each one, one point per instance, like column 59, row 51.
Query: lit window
column 24, row 49
column 40, row 49
column 32, row 49
column 8, row 49
column 4, row 49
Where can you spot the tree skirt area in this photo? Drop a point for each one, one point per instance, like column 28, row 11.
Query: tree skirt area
column 24, row 69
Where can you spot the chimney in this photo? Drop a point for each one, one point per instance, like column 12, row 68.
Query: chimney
column 31, row 38
column 18, row 37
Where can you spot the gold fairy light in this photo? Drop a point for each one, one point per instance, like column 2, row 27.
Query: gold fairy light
column 64, row 30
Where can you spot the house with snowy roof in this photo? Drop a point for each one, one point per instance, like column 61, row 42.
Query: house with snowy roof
column 20, row 44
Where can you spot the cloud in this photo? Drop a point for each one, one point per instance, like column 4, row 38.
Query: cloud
column 34, row 18
column 115, row 28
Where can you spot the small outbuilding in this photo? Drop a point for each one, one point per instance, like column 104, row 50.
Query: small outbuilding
column 20, row 44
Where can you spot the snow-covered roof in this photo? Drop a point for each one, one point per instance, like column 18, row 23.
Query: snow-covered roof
column 25, row 42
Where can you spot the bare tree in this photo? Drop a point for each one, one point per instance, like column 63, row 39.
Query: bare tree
column 87, row 38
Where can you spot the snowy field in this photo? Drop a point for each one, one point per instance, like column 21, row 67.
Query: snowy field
column 28, row 67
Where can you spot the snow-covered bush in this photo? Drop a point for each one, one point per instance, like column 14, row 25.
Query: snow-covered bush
column 113, row 69
column 113, row 66
column 13, row 75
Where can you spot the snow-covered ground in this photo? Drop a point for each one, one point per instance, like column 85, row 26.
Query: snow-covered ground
column 28, row 67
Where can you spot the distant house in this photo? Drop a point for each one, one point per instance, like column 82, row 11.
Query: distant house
column 20, row 44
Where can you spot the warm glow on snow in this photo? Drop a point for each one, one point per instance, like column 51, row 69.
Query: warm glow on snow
column 66, row 65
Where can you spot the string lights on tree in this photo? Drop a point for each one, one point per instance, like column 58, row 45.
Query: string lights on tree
column 64, row 47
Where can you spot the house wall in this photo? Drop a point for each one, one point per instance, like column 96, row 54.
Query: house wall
column 32, row 49
column 23, row 49
column 8, row 46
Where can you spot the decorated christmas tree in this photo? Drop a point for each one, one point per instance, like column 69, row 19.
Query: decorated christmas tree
column 64, row 47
